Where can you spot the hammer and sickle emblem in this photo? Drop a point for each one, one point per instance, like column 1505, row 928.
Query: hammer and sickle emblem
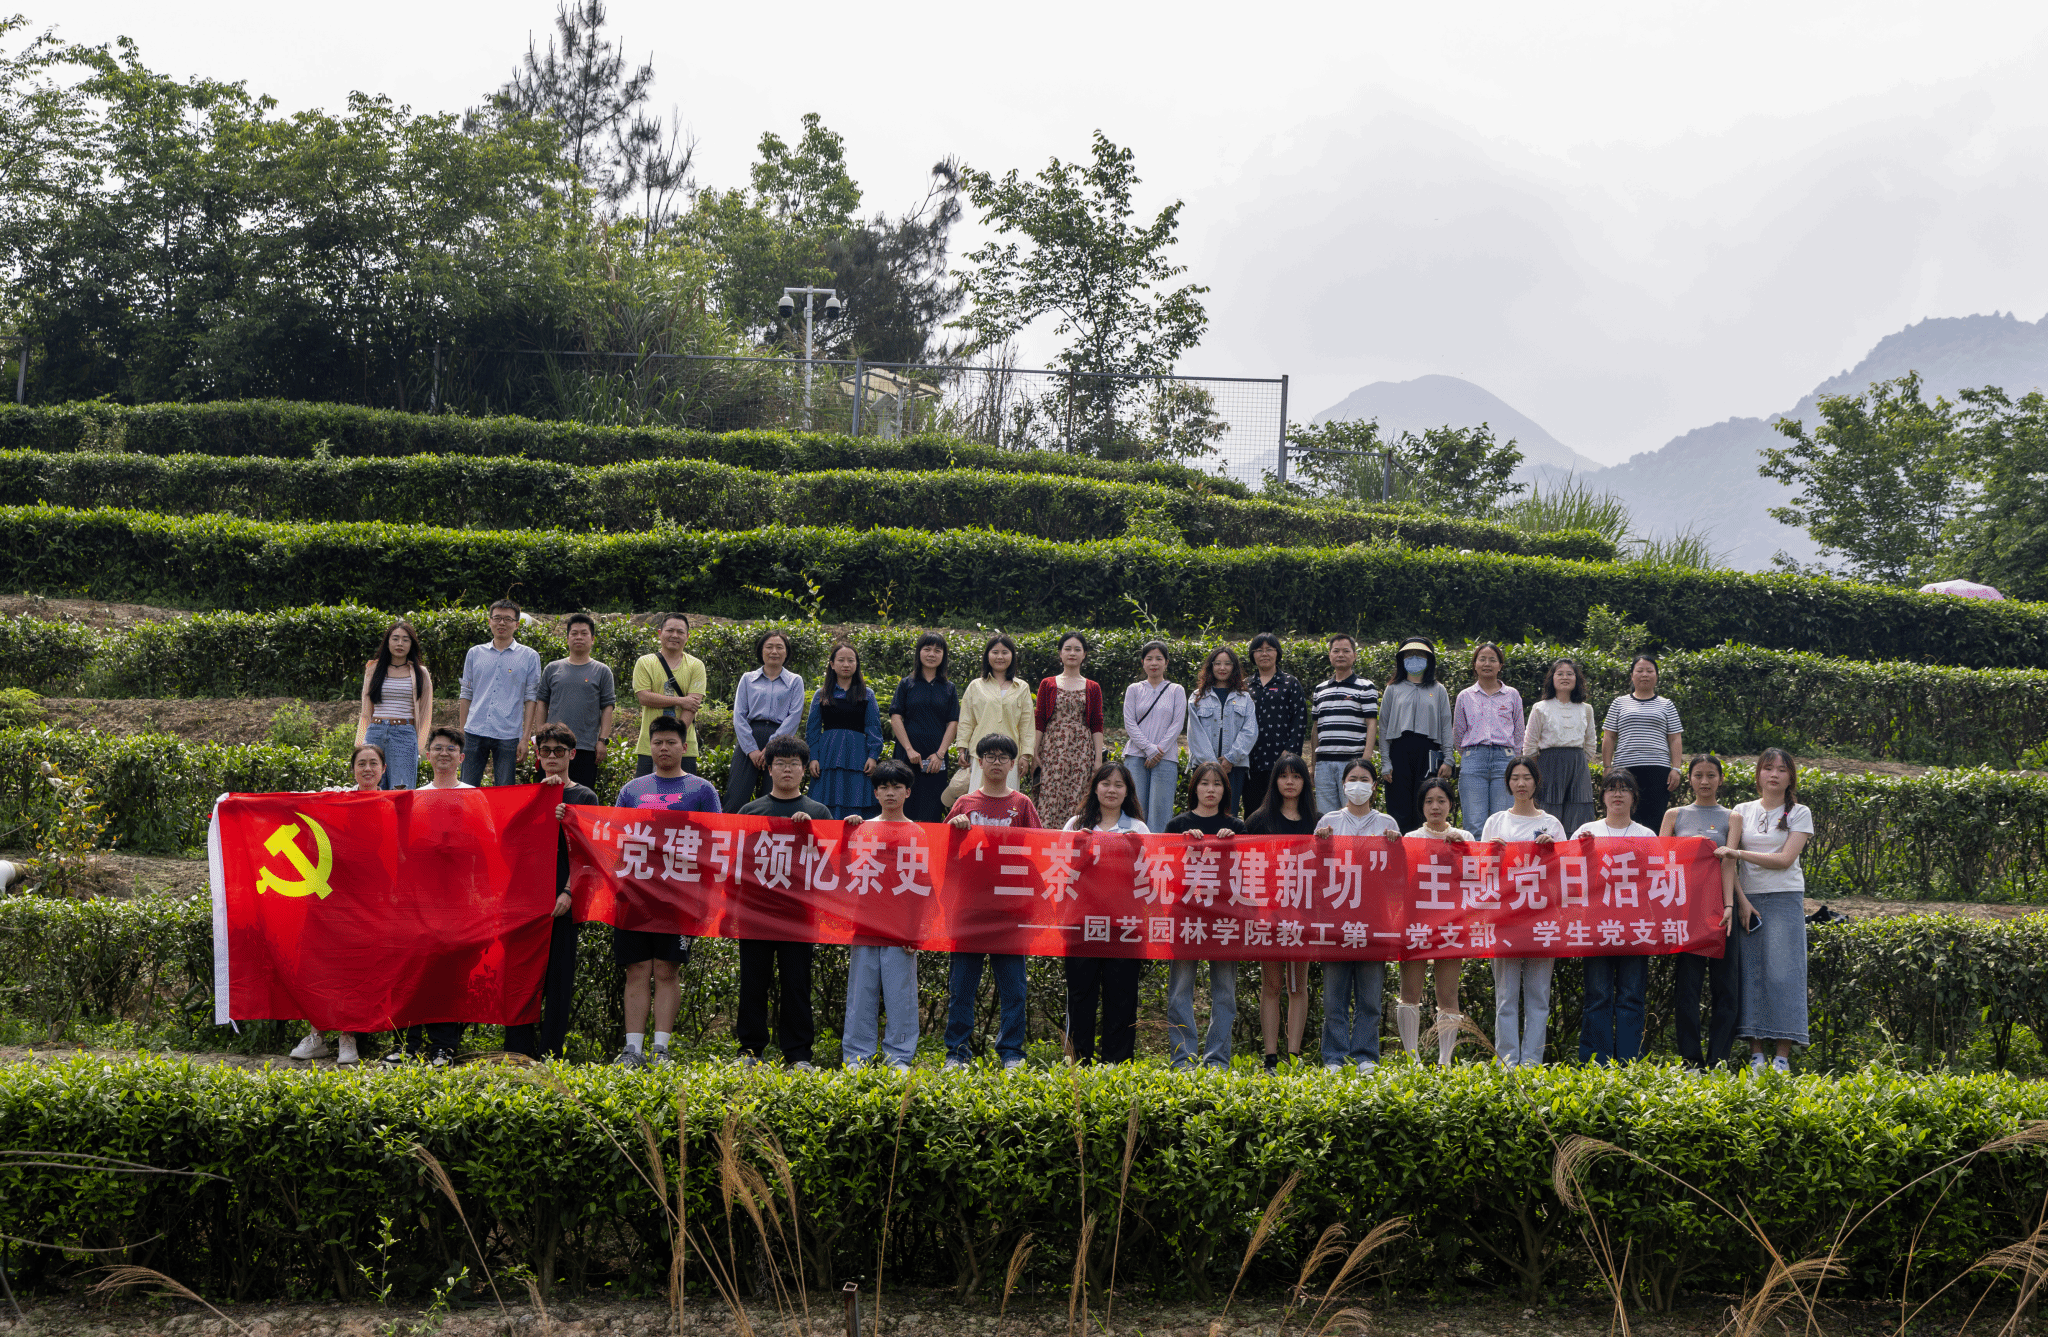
column 312, row 879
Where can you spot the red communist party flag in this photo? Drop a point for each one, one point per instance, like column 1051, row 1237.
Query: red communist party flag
column 368, row 912
column 1054, row 893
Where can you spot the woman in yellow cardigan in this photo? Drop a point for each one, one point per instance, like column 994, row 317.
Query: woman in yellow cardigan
column 996, row 702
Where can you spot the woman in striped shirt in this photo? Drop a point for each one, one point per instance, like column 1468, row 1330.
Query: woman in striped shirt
column 1642, row 735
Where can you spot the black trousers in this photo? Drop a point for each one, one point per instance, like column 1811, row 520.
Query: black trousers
column 786, row 967
column 1724, row 979
column 556, row 991
column 745, row 783
column 1653, row 794
column 1408, row 756
column 1255, row 786
column 1112, row 985
column 434, row 1035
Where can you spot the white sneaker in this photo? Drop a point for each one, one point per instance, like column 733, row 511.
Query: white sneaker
column 313, row 1046
column 1366, row 1066
column 1756, row 1064
column 899, row 1067
column 1012, row 1064
column 347, row 1057
column 1333, row 1067
column 1781, row 1064
column 953, row 1063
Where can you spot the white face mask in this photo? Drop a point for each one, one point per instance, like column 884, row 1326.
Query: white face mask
column 1358, row 792
column 1415, row 664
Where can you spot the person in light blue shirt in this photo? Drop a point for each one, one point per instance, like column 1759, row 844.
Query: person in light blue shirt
column 500, row 684
column 769, row 704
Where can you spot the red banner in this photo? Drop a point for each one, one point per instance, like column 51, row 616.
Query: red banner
column 1052, row 893
column 367, row 912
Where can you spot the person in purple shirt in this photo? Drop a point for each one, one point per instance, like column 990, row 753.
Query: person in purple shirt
column 1486, row 730
column 655, row 956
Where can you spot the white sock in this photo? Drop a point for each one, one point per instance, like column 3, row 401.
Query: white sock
column 661, row 1039
column 634, row 1039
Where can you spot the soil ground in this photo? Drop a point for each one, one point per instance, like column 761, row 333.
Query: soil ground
column 936, row 1314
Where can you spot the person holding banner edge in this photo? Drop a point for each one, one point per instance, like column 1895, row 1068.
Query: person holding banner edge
column 1705, row 818
column 1208, row 791
column 1617, row 987
column 1353, row 990
column 653, row 958
column 366, row 766
column 1112, row 808
column 555, row 746
column 882, row 979
column 1521, row 984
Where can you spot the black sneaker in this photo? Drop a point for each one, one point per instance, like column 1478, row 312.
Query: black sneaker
column 441, row 1058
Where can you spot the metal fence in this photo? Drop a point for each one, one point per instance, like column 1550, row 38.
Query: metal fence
column 1230, row 425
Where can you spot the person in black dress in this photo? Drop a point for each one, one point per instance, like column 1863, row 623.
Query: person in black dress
column 924, row 716
column 1280, row 705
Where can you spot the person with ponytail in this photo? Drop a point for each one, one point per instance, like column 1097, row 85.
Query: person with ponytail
column 1765, row 840
column 397, row 705
column 1706, row 819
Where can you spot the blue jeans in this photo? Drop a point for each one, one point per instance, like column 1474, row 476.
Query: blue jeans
column 401, row 744
column 501, row 754
column 1521, row 1009
column 1155, row 790
column 1482, row 786
column 1352, row 995
column 879, row 979
column 1612, row 1031
column 1330, row 785
column 962, row 987
column 1180, row 1011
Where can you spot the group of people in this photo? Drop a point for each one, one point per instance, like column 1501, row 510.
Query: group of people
column 1265, row 756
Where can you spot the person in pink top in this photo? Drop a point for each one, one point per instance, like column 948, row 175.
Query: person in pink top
column 1486, row 730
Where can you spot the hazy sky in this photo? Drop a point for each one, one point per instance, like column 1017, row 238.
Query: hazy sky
column 1625, row 220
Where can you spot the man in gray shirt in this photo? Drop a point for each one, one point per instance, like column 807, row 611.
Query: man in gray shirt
column 500, row 679
column 579, row 692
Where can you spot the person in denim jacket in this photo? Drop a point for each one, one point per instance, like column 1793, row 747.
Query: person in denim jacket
column 1222, row 723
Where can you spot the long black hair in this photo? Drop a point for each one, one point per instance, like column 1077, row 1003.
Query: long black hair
column 988, row 669
column 1578, row 680
column 1791, row 784
column 857, row 687
column 917, row 656
column 1289, row 764
column 1091, row 810
column 412, row 658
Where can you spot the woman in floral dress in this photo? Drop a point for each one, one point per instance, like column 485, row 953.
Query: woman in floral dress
column 1069, row 720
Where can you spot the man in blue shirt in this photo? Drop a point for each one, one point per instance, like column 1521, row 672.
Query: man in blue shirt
column 500, row 683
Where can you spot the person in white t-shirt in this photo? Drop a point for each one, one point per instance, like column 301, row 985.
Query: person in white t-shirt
column 1521, row 984
column 1617, row 987
column 1437, row 799
column 1765, row 839
column 1352, row 990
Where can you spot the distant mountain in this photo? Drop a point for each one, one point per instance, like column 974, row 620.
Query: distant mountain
column 1438, row 401
column 1708, row 476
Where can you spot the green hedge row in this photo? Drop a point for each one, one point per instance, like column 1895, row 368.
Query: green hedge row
column 496, row 493
column 303, row 1173
column 896, row 575
column 288, row 429
column 1733, row 699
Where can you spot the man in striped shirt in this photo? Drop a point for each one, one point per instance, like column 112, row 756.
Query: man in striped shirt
column 1346, row 712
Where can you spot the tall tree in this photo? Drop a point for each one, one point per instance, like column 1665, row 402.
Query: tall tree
column 1456, row 470
column 1089, row 266
column 1999, row 534
column 47, row 148
column 586, row 86
column 891, row 274
column 1877, row 479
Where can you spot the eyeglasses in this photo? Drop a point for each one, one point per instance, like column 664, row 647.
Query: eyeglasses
column 784, row 761
column 554, row 750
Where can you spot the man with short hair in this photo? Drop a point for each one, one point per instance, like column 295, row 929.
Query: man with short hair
column 555, row 745
column 654, row 956
column 669, row 683
column 762, row 961
column 580, row 692
column 500, row 680
column 994, row 804
column 1345, row 710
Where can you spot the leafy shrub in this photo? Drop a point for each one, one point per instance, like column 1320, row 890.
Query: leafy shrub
column 1733, row 699
column 288, row 429
column 19, row 706
column 294, row 725
column 301, row 1167
column 962, row 575
column 45, row 652
column 491, row 493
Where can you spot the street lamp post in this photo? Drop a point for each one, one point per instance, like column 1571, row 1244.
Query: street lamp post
column 786, row 308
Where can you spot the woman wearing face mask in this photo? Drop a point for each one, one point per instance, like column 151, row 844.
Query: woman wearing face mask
column 1352, row 990
column 1069, row 723
column 1415, row 729
column 1281, row 708
column 1561, row 735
